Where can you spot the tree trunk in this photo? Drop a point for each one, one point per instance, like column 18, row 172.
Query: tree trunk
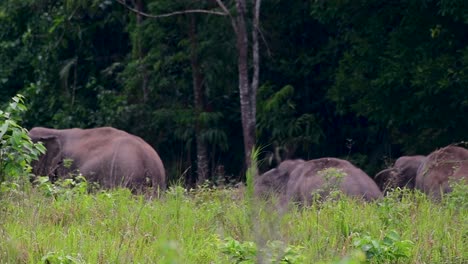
column 247, row 91
column 140, row 53
column 198, row 92
column 255, row 57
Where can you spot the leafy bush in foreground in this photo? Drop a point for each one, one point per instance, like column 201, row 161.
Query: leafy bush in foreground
column 17, row 151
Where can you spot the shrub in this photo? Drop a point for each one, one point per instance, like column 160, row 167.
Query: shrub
column 66, row 188
column 61, row 258
column 17, row 151
column 391, row 248
column 248, row 252
column 457, row 198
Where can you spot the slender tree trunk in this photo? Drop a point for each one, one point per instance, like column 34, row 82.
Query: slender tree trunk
column 198, row 91
column 242, row 44
column 255, row 56
column 140, row 53
column 247, row 91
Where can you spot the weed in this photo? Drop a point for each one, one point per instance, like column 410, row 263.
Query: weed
column 355, row 257
column 333, row 177
column 248, row 252
column 390, row 249
column 61, row 258
column 62, row 188
column 458, row 197
column 238, row 252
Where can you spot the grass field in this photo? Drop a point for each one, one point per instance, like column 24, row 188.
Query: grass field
column 223, row 226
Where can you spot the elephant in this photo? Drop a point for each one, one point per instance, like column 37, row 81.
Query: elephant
column 401, row 174
column 442, row 165
column 274, row 181
column 297, row 180
column 111, row 157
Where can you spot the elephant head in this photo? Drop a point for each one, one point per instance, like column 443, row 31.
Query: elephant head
column 274, row 181
column 48, row 163
column 401, row 174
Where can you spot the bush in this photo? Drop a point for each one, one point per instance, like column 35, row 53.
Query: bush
column 457, row 199
column 391, row 248
column 64, row 188
column 17, row 151
column 61, row 258
column 247, row 252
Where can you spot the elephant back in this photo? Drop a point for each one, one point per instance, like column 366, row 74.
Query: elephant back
column 137, row 161
column 447, row 163
column 315, row 176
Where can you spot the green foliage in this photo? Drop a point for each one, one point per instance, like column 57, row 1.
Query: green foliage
column 252, row 172
column 182, row 126
column 60, row 258
column 280, row 121
column 247, row 252
column 238, row 252
column 389, row 76
column 177, row 192
column 458, row 198
column 404, row 68
column 390, row 249
column 17, row 151
column 356, row 257
column 333, row 177
column 397, row 203
column 67, row 188
column 59, row 62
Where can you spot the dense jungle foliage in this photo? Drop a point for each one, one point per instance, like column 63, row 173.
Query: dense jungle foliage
column 367, row 80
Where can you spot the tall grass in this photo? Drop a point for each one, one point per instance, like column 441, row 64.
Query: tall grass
column 118, row 227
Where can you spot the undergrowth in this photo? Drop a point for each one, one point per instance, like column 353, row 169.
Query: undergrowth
column 212, row 225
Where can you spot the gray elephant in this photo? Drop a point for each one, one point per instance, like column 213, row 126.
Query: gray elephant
column 274, row 181
column 298, row 180
column 105, row 155
column 447, row 163
column 401, row 174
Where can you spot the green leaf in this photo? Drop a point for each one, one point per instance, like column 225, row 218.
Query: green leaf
column 393, row 235
column 3, row 129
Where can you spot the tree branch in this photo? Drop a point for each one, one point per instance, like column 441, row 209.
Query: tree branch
column 223, row 7
column 233, row 21
column 172, row 13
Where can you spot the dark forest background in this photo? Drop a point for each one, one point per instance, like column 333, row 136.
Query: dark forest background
column 364, row 80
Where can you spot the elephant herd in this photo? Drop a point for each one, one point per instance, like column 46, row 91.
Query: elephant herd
column 430, row 174
column 298, row 180
column 115, row 158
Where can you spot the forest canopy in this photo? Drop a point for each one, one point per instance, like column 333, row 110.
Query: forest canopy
column 365, row 80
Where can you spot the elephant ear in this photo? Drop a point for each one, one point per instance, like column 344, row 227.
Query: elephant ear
column 49, row 162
